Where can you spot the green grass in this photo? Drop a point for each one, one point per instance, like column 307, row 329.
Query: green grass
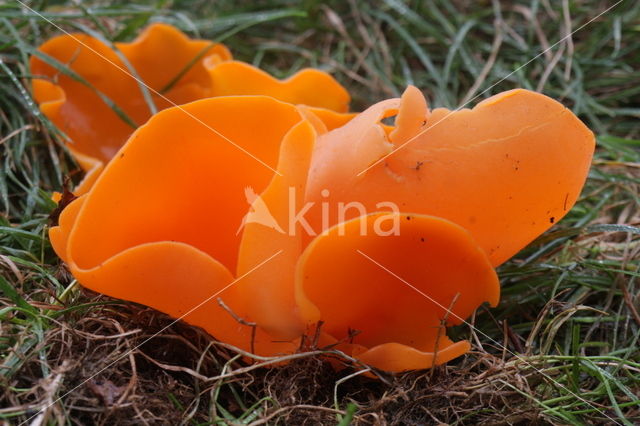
column 569, row 310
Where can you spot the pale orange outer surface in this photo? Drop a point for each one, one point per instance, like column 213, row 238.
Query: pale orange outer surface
column 162, row 224
column 506, row 170
column 159, row 55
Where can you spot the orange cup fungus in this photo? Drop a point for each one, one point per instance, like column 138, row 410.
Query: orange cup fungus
column 98, row 102
column 506, row 170
column 168, row 223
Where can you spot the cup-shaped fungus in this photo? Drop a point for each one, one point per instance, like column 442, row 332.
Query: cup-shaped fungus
column 506, row 170
column 98, row 94
column 176, row 232
column 185, row 216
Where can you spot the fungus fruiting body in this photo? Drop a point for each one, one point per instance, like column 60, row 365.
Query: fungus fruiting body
column 175, row 231
column 98, row 94
column 505, row 170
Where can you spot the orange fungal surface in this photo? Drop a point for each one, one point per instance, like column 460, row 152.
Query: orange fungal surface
column 166, row 212
column 399, row 291
column 98, row 102
column 202, row 221
column 506, row 170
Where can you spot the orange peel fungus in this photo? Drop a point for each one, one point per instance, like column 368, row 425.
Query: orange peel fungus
column 98, row 102
column 175, row 232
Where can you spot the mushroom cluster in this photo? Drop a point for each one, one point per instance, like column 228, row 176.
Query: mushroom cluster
column 263, row 212
column 100, row 100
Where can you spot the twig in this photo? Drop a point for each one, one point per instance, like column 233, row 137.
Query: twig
column 242, row 321
column 442, row 329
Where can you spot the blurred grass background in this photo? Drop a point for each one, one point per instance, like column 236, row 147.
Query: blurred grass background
column 570, row 301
